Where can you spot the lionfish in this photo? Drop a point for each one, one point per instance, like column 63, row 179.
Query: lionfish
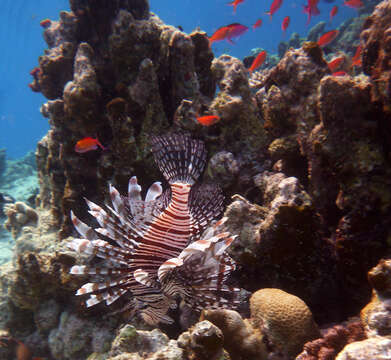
column 159, row 249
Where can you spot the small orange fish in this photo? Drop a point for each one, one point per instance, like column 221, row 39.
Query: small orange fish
column 327, row 38
column 88, row 144
column 335, row 63
column 235, row 3
column 285, row 23
column 208, row 120
column 276, row 4
column 228, row 32
column 333, row 12
column 258, row 61
column 340, row 73
column 45, row 23
column 355, row 4
column 257, row 24
column 356, row 59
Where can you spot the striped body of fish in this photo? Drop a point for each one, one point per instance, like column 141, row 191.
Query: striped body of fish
column 158, row 249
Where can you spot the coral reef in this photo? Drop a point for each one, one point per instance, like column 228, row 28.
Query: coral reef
column 284, row 319
column 333, row 340
column 305, row 155
column 376, row 40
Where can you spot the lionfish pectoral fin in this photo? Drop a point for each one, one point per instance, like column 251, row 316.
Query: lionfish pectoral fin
column 167, row 266
column 142, row 277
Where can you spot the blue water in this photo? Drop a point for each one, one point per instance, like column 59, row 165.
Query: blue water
column 22, row 125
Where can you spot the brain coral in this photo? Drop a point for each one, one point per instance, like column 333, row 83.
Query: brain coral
column 284, row 318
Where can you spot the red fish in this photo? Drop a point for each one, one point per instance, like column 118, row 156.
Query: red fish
column 356, row 59
column 235, row 3
column 335, row 63
column 285, row 23
column 219, row 34
column 276, row 4
column 228, row 32
column 311, row 9
column 257, row 24
column 45, row 23
column 355, row 4
column 333, row 12
column 327, row 38
column 88, row 144
column 340, row 73
column 208, row 120
column 258, row 61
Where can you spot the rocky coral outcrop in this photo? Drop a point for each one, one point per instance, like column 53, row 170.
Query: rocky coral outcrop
column 374, row 348
column 241, row 340
column 376, row 40
column 124, row 80
column 203, row 341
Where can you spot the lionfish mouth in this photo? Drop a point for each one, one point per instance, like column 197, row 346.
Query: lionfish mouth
column 157, row 249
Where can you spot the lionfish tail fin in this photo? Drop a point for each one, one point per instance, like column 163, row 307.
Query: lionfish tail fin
column 179, row 157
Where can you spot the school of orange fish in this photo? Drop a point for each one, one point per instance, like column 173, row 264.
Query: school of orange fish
column 232, row 31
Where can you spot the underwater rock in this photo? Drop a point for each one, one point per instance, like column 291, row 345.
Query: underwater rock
column 55, row 66
column 241, row 340
column 280, row 235
column 19, row 215
column 373, row 348
column 241, row 128
column 376, row 315
column 376, row 41
column 284, row 318
column 204, row 341
column 76, row 337
column 40, row 277
column 46, row 316
column 131, row 340
column 223, row 168
column 81, row 94
column 355, row 200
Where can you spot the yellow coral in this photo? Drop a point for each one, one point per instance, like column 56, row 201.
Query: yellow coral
column 284, row 318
